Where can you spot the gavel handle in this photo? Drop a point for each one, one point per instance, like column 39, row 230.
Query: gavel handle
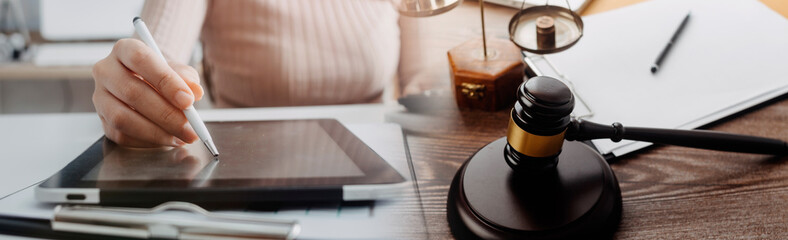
column 584, row 130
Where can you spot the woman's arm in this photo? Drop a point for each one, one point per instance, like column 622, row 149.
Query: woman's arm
column 413, row 72
column 139, row 97
column 176, row 25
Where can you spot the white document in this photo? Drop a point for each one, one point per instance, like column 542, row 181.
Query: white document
column 732, row 55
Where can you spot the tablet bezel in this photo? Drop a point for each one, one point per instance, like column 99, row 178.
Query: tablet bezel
column 377, row 172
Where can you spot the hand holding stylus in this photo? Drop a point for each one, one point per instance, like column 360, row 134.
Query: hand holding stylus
column 140, row 98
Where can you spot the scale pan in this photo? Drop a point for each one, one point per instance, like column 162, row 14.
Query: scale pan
column 568, row 28
column 424, row 8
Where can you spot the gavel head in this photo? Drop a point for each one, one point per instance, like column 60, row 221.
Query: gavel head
column 537, row 124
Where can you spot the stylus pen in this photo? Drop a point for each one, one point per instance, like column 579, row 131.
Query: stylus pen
column 190, row 112
column 655, row 66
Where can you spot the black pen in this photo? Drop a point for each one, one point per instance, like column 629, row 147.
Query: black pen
column 664, row 52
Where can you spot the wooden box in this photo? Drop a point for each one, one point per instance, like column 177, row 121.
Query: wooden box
column 489, row 84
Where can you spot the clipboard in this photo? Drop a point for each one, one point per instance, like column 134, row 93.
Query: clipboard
column 97, row 222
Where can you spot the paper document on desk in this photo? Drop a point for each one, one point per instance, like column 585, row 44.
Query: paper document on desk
column 395, row 218
column 731, row 56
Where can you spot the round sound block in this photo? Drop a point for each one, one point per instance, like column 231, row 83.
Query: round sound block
column 580, row 199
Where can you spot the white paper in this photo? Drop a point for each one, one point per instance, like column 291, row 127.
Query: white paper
column 731, row 55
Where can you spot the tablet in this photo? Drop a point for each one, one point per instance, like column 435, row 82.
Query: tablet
column 260, row 161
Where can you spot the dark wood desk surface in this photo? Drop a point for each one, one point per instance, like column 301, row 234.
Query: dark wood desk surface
column 669, row 192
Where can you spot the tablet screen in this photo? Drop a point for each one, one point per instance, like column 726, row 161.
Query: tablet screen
column 252, row 150
column 302, row 153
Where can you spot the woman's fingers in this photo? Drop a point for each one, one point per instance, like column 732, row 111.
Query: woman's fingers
column 128, row 127
column 140, row 98
column 192, row 78
column 142, row 60
column 135, row 93
column 123, row 139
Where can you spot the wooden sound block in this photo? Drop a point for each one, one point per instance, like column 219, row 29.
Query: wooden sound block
column 488, row 84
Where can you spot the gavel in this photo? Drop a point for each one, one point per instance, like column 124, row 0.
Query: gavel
column 534, row 195
column 540, row 122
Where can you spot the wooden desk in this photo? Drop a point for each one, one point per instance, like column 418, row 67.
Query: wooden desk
column 669, row 192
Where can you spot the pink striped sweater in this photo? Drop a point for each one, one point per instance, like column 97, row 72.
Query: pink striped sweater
column 290, row 52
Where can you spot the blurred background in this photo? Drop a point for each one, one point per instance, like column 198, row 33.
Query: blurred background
column 47, row 48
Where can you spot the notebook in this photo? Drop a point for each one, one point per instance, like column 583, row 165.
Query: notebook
column 731, row 56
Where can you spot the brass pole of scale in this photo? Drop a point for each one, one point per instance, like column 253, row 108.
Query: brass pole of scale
column 485, row 71
column 484, row 33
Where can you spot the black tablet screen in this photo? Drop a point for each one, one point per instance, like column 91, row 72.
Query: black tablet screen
column 249, row 150
column 311, row 152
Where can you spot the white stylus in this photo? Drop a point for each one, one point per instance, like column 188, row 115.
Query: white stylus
column 190, row 112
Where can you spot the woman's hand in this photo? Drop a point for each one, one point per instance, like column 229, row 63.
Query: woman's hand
column 140, row 98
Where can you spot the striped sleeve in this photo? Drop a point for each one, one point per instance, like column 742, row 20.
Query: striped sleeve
column 412, row 59
column 175, row 24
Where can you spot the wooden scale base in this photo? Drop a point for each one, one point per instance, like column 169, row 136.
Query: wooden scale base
column 486, row 83
column 579, row 200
